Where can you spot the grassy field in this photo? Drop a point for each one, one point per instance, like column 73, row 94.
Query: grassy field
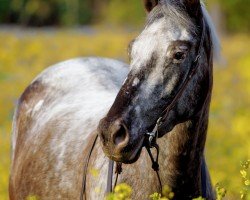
column 23, row 54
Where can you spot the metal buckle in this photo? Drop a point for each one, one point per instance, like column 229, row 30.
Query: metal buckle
column 197, row 58
column 153, row 136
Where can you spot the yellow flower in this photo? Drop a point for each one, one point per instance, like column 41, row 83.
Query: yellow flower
column 32, row 197
column 247, row 182
column 94, row 173
column 243, row 173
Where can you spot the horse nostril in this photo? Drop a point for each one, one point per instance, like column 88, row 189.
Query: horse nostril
column 120, row 136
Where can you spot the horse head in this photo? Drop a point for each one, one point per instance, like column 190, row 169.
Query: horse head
column 161, row 59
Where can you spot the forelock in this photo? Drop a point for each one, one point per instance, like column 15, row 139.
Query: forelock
column 174, row 10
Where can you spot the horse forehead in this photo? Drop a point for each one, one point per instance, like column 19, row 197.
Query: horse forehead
column 155, row 39
column 167, row 29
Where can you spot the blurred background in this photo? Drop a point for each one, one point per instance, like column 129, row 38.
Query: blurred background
column 35, row 34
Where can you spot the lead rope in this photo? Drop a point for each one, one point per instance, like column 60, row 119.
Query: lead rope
column 85, row 169
column 155, row 164
column 118, row 171
column 152, row 143
column 110, row 173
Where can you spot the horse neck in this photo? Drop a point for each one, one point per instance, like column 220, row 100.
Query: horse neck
column 182, row 150
column 181, row 156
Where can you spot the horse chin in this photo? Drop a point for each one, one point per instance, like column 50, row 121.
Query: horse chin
column 134, row 157
column 126, row 158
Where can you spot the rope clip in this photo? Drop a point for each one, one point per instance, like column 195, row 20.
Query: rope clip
column 153, row 136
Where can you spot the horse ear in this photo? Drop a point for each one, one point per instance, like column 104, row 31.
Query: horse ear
column 150, row 4
column 193, row 7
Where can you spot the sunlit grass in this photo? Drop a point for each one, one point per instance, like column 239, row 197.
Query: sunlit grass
column 23, row 55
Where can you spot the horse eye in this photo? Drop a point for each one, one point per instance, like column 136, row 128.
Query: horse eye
column 179, row 55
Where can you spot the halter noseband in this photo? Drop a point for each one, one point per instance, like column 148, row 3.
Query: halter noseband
column 150, row 137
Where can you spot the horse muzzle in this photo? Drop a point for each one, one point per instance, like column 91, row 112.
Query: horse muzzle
column 117, row 142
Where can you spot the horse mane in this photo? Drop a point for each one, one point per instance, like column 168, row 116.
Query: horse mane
column 214, row 35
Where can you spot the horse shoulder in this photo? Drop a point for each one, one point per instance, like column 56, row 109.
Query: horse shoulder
column 53, row 121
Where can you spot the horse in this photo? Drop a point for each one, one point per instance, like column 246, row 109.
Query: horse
column 161, row 98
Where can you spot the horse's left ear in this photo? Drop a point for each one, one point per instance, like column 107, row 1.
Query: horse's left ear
column 150, row 4
column 193, row 7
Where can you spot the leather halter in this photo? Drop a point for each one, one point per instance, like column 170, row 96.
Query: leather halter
column 151, row 138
